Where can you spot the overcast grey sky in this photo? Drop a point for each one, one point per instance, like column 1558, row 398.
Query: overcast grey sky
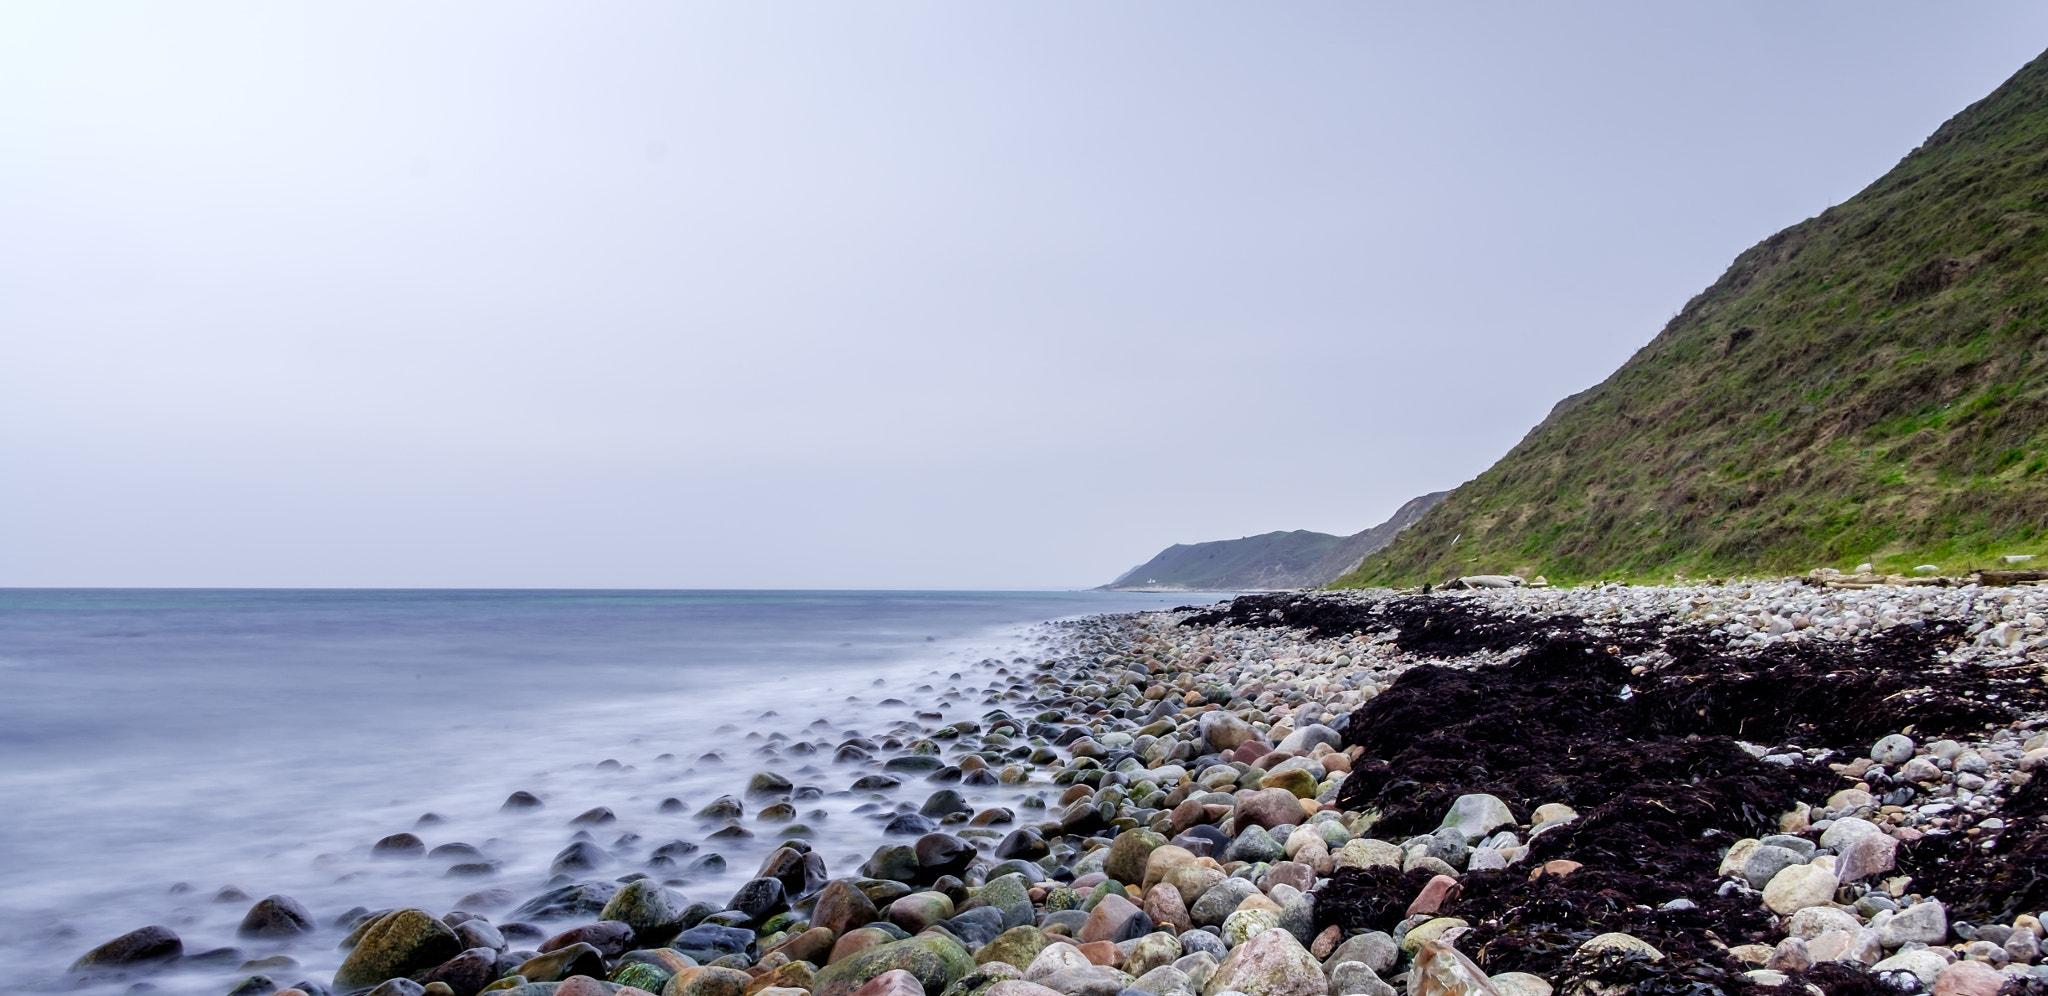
column 862, row 294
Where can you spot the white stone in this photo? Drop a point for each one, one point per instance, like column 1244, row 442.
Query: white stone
column 1520, row 984
column 1814, row 921
column 1924, row 964
column 1476, row 814
column 1799, row 887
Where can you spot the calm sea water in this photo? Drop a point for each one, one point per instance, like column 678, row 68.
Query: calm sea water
column 158, row 747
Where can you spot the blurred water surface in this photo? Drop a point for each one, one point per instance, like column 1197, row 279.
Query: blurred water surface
column 159, row 746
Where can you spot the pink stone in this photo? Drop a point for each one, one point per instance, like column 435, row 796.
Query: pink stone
column 1106, row 919
column 1164, row 905
column 1969, row 978
column 1267, row 808
column 1440, row 890
column 895, row 982
column 1302, row 877
column 1865, row 856
column 1326, row 942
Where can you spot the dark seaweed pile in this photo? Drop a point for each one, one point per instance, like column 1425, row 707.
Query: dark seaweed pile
column 1553, row 725
column 1559, row 723
column 1649, row 757
column 1430, row 627
column 1989, row 878
column 1835, row 694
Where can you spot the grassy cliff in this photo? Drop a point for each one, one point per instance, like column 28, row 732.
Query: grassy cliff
column 1869, row 384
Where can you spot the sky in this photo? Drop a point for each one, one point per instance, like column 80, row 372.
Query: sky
column 877, row 295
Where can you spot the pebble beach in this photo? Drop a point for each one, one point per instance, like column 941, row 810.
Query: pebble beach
column 1787, row 786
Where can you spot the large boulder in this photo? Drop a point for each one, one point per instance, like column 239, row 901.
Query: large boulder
column 1271, row 963
column 1221, row 731
column 792, row 975
column 1107, row 920
column 653, row 911
column 398, row 944
column 274, row 918
column 896, row 982
column 1798, row 887
column 1365, row 852
column 759, row 898
column 1129, row 854
column 467, row 972
column 1220, row 901
column 562, row 963
column 1477, row 814
column 1162, row 981
column 580, row 901
column 1305, row 739
column 1267, row 807
column 801, row 872
column 1162, row 859
column 919, row 910
column 708, row 942
column 1925, row 922
column 610, row 937
column 707, row 981
column 1164, row 906
column 942, row 854
column 1969, row 978
column 1152, row 951
column 1094, row 980
column 935, row 960
column 1191, row 881
column 147, row 946
column 1297, row 782
column 842, row 907
column 1053, row 959
column 1016, row 946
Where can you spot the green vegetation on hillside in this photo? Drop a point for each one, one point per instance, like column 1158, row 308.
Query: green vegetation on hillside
column 1870, row 384
column 1267, row 561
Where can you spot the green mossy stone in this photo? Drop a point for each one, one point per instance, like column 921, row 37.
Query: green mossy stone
column 1016, row 946
column 398, row 944
column 1005, row 891
column 936, row 962
column 978, row 981
column 641, row 976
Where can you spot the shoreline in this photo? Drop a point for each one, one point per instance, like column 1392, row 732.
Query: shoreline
column 1179, row 760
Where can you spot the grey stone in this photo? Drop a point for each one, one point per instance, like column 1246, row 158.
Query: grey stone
column 1201, row 942
column 1355, row 978
column 1926, row 923
column 1253, row 846
column 1305, row 739
column 1805, row 848
column 1220, row 901
column 1765, row 862
column 1375, row 948
column 1298, row 917
column 1893, row 750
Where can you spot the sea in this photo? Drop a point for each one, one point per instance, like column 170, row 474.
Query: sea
column 171, row 756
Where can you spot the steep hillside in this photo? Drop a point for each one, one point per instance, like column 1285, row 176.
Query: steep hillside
column 1274, row 561
column 1870, row 384
column 1357, row 546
